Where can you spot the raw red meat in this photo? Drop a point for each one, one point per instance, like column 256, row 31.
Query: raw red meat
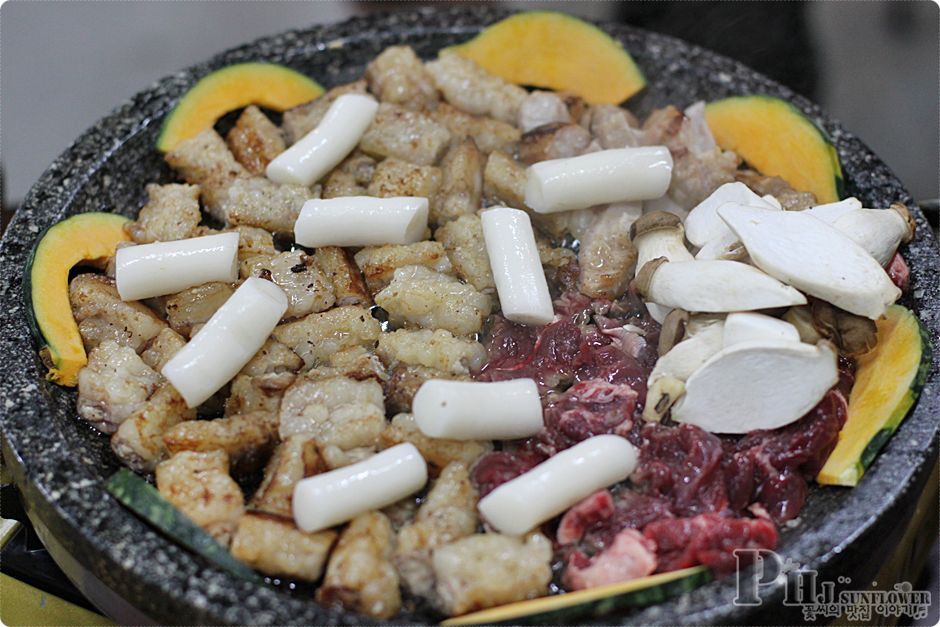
column 899, row 273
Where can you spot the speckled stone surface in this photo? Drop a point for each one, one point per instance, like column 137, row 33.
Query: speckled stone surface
column 60, row 463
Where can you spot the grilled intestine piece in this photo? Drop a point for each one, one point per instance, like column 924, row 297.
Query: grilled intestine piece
column 277, row 548
column 488, row 134
column 198, row 484
column 162, row 348
column 437, row 452
column 317, row 336
column 398, row 76
column 472, row 89
column 557, row 140
column 395, row 177
column 206, row 161
column 258, row 202
column 336, row 411
column 463, row 240
column 447, row 514
column 424, row 298
column 351, row 177
column 255, row 140
column 171, row 213
column 789, row 198
column 614, row 127
column 433, row 349
column 247, row 438
column 303, row 118
column 485, row 570
column 405, row 134
column 188, row 310
column 405, row 381
column 462, row 185
column 113, row 385
column 308, row 289
column 348, row 285
column 294, row 458
column 102, row 315
column 360, row 576
column 378, row 263
column 138, row 442
column 607, row 254
column 260, row 393
column 540, row 108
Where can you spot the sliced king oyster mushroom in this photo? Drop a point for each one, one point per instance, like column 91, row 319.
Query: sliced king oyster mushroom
column 770, row 199
column 659, row 234
column 879, row 231
column 832, row 211
column 666, row 382
column 813, row 256
column 703, row 223
column 712, row 286
column 757, row 385
column 750, row 327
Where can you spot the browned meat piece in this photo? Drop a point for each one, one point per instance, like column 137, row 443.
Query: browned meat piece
column 248, row 439
column 319, row 335
column 398, row 76
column 206, row 161
column 462, row 186
column 543, row 107
column 338, row 411
column 171, row 213
column 355, row 363
column 258, row 202
column 447, row 514
column 434, row 349
column 607, row 254
column 162, row 348
column 351, row 177
column 472, row 89
column 403, row 384
column 138, row 442
column 463, row 240
column 614, row 127
column 504, row 180
column 272, row 358
column 557, row 140
column 294, row 458
column 186, row 311
column 255, row 140
column 302, row 119
column 487, row 133
column 404, row 134
column 789, row 198
column 257, row 393
column 394, row 177
column 338, row 265
column 276, row 547
column 418, row 297
column 378, row 263
column 114, row 385
column 437, row 452
column 699, row 165
column 102, row 315
column 308, row 290
column 489, row 569
column 360, row 576
column 198, row 484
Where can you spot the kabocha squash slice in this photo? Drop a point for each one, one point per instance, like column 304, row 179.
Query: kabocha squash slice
column 552, row 50
column 266, row 84
column 776, row 139
column 887, row 383
column 84, row 237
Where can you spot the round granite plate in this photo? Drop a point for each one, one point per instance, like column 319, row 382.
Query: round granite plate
column 136, row 575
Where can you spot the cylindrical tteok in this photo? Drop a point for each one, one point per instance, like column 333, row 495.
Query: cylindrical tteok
column 162, row 268
column 331, row 498
column 597, row 178
column 321, row 150
column 228, row 341
column 362, row 221
column 556, row 484
column 517, row 268
column 476, row 410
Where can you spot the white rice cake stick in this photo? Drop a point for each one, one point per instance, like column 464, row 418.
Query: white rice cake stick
column 559, row 482
column 321, row 150
column 331, row 498
column 475, row 410
column 228, row 341
column 160, row 268
column 361, row 221
column 598, row 178
column 517, row 268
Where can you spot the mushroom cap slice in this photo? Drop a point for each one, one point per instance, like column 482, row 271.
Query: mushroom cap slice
column 757, row 385
column 749, row 327
column 703, row 224
column 713, row 285
column 879, row 231
column 813, row 256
